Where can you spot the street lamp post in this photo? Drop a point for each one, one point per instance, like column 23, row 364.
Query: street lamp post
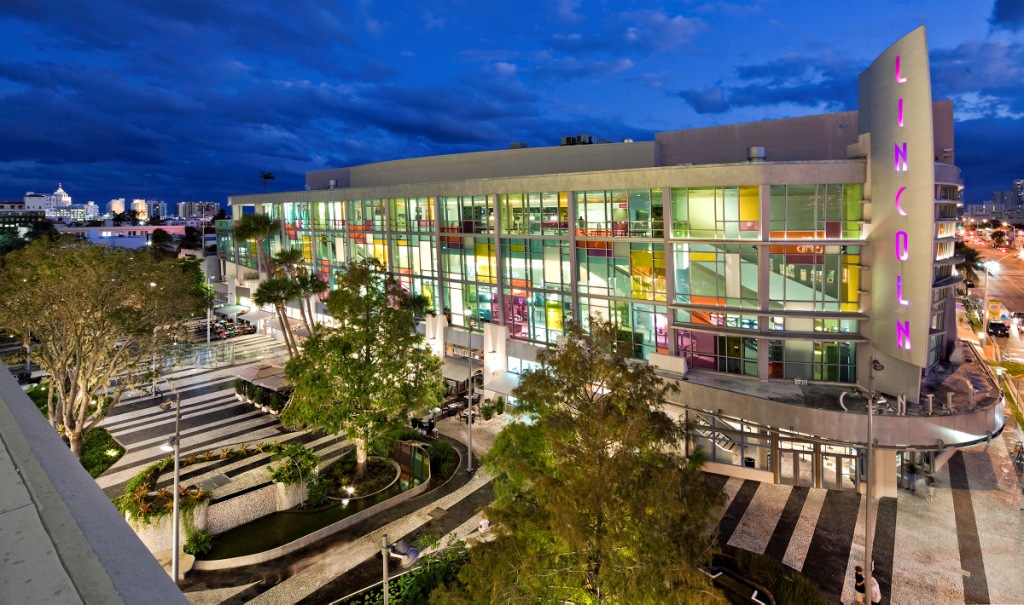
column 209, row 311
column 469, row 395
column 876, row 366
column 174, row 444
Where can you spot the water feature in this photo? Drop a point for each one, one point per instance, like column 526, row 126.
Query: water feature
column 280, row 528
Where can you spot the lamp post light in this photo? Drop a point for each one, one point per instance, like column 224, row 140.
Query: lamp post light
column 400, row 550
column 876, row 366
column 174, row 445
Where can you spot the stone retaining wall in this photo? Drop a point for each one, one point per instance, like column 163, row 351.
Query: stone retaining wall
column 239, row 510
column 157, row 534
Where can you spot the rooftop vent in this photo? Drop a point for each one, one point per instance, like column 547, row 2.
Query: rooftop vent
column 756, row 154
column 517, row 145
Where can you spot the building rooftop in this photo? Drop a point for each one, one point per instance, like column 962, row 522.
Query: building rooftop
column 61, row 539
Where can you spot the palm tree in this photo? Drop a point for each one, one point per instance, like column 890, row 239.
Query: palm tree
column 266, row 176
column 192, row 240
column 278, row 291
column 257, row 227
column 286, row 264
column 311, row 284
column 970, row 263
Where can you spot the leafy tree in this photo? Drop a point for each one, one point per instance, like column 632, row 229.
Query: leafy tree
column 277, row 291
column 267, row 177
column 998, row 239
column 258, row 227
column 192, row 240
column 364, row 377
column 155, row 220
column 590, row 506
column 11, row 240
column 98, row 314
column 161, row 243
column 130, row 217
column 43, row 229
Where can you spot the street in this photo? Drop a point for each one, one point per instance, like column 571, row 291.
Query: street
column 1006, row 285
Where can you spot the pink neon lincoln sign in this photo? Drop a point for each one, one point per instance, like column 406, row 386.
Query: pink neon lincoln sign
column 902, row 248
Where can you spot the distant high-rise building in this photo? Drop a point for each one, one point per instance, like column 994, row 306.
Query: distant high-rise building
column 197, row 209
column 92, row 210
column 156, row 208
column 1002, row 198
column 139, row 206
column 1018, row 193
column 115, row 206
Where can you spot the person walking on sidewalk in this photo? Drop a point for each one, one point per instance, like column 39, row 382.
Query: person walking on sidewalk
column 911, row 470
column 858, row 587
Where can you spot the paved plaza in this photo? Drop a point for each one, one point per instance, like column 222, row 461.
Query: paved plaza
column 963, row 547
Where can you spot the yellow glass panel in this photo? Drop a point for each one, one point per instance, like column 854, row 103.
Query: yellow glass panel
column 307, row 249
column 486, row 263
column 554, row 314
column 641, row 272
column 380, row 251
column 706, row 257
column 750, row 204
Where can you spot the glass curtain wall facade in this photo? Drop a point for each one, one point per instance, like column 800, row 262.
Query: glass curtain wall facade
column 759, row 281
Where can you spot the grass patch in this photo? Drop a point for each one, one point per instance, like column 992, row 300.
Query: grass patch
column 785, row 583
column 99, row 449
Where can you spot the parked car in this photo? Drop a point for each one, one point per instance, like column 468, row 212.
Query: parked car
column 997, row 328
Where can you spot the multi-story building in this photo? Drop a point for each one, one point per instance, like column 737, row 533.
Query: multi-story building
column 50, row 204
column 197, row 209
column 15, row 215
column 772, row 264
column 1018, row 193
column 115, row 206
column 156, row 208
column 141, row 209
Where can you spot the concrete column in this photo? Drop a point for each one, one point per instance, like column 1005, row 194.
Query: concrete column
column 885, row 485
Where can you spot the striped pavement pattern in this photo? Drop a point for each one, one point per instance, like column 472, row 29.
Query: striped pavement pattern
column 211, row 416
column 940, row 551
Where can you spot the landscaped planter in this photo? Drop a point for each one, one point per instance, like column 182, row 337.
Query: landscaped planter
column 290, row 496
column 156, row 533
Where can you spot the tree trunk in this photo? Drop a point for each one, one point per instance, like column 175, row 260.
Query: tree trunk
column 282, row 318
column 361, row 455
column 305, row 317
column 75, row 439
column 312, row 322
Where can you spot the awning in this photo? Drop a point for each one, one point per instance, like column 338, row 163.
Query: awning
column 276, row 324
column 229, row 310
column 255, row 315
column 503, row 383
column 254, row 374
column 457, row 368
column 276, row 382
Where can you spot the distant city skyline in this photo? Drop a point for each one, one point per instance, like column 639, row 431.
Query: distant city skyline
column 193, row 102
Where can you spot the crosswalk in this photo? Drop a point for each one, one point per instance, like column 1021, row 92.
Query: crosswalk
column 211, row 416
column 935, row 549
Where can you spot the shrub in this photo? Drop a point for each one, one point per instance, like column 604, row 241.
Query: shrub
column 317, row 489
column 199, row 543
column 240, row 386
column 499, row 404
column 300, row 464
column 487, row 411
column 788, row 585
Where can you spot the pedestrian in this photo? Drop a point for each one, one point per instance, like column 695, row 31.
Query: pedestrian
column 876, row 592
column 910, row 476
column 858, row 587
column 929, row 480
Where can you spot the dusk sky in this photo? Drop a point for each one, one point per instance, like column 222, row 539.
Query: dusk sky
column 192, row 99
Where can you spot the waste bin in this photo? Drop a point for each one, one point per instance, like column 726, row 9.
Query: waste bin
column 748, row 462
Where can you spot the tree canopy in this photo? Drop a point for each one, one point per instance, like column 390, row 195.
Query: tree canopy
column 364, row 378
column 590, row 504
column 98, row 314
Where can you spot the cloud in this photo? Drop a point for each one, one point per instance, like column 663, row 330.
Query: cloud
column 827, row 82
column 1007, row 14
